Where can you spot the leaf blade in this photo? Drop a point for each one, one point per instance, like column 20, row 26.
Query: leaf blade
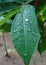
column 9, row 15
column 23, row 31
column 7, row 7
column 19, row 1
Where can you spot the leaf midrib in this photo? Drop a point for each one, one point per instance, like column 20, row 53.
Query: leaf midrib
column 24, row 29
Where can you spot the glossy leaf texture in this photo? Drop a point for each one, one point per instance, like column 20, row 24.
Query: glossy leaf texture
column 25, row 33
column 6, row 7
column 19, row 1
column 8, row 16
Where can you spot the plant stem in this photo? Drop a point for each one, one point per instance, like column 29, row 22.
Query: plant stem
column 37, row 3
column 5, row 45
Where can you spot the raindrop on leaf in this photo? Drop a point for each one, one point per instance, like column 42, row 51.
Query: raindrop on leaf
column 26, row 19
column 25, row 12
column 25, row 54
column 31, row 21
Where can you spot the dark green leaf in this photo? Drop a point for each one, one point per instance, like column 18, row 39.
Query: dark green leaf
column 41, row 11
column 42, row 45
column 25, row 33
column 8, row 7
column 19, row 1
column 8, row 16
column 6, row 27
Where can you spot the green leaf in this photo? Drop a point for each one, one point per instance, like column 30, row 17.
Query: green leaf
column 25, row 33
column 42, row 45
column 19, row 1
column 6, row 7
column 9, row 15
column 41, row 11
column 40, row 7
column 6, row 27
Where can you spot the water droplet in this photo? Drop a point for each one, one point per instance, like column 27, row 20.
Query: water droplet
column 19, row 39
column 28, row 11
column 16, row 30
column 25, row 54
column 18, row 33
column 31, row 21
column 26, row 19
column 36, row 33
column 33, row 32
column 29, row 29
column 21, row 27
column 25, row 12
column 35, row 40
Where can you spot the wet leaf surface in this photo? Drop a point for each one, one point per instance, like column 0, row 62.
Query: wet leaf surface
column 25, row 33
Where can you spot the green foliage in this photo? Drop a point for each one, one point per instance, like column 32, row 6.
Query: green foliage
column 42, row 45
column 41, row 11
column 25, row 29
column 19, row 1
column 6, row 27
column 8, row 16
column 25, row 33
column 7, row 7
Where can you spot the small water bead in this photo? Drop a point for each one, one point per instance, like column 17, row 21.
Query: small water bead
column 25, row 12
column 26, row 19
column 21, row 27
column 35, row 40
column 28, row 11
column 36, row 33
column 31, row 22
column 29, row 29
column 18, row 33
column 20, row 39
column 33, row 32
column 16, row 30
column 25, row 54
